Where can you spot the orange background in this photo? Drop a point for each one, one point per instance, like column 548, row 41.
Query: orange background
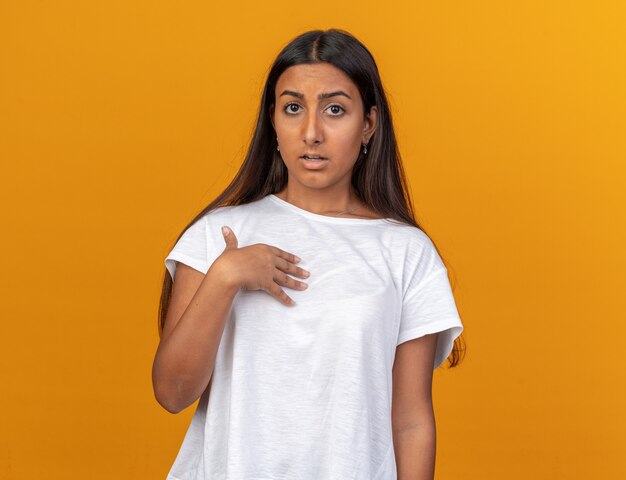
column 120, row 120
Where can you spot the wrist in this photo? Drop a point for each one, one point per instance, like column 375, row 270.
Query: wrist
column 224, row 275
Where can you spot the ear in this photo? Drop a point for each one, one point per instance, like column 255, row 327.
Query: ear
column 371, row 120
column 272, row 116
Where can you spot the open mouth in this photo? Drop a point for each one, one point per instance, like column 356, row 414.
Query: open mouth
column 314, row 162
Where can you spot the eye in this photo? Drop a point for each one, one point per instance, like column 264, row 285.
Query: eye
column 290, row 105
column 336, row 113
column 339, row 107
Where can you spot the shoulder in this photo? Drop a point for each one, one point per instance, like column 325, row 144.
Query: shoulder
column 232, row 216
column 408, row 238
column 411, row 250
column 226, row 213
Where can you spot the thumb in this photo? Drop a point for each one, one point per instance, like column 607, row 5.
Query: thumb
column 229, row 237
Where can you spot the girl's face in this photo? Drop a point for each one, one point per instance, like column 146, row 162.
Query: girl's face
column 319, row 112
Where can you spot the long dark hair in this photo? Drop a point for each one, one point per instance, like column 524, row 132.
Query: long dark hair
column 379, row 182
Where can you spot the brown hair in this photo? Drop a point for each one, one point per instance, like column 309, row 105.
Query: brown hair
column 379, row 182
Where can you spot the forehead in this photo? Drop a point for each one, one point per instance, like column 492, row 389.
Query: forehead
column 315, row 77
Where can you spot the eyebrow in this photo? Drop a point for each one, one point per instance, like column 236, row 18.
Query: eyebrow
column 321, row 96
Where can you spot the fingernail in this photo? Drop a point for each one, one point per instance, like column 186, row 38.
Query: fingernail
column 225, row 230
column 298, row 259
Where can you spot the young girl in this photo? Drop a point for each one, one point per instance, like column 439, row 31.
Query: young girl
column 306, row 308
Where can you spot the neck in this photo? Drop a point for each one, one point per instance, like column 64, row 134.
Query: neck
column 321, row 202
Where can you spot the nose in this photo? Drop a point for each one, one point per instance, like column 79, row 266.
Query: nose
column 312, row 129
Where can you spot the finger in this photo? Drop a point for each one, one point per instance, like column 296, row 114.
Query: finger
column 289, row 267
column 281, row 278
column 280, row 294
column 229, row 237
column 290, row 257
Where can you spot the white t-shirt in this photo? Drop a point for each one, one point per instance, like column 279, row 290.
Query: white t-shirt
column 303, row 392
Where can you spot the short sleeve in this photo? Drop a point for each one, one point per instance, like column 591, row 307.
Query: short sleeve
column 428, row 304
column 190, row 249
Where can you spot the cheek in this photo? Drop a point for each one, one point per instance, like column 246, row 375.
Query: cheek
column 348, row 140
column 350, row 132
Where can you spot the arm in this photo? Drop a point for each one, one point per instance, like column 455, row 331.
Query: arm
column 413, row 419
column 198, row 312
column 194, row 324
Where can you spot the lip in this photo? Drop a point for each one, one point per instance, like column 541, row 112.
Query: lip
column 314, row 164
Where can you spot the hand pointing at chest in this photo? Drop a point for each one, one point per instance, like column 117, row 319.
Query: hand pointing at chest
column 260, row 267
